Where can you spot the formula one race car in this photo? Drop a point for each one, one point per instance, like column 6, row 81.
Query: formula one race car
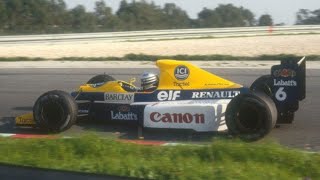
column 185, row 97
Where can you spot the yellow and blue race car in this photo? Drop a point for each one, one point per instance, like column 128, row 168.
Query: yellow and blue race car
column 182, row 97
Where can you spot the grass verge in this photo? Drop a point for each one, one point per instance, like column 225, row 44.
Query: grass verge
column 223, row 159
column 145, row 57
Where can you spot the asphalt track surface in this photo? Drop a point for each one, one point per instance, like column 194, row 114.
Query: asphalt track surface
column 19, row 88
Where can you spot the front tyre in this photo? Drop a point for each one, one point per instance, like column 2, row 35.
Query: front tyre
column 55, row 111
column 101, row 79
column 251, row 116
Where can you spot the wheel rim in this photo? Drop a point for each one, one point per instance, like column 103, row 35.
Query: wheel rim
column 250, row 117
column 52, row 113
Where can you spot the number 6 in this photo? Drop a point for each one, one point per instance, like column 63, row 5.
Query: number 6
column 281, row 95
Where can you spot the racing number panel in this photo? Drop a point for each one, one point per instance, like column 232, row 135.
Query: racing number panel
column 288, row 85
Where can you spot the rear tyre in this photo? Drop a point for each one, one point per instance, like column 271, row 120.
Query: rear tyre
column 262, row 84
column 251, row 116
column 55, row 111
column 101, row 79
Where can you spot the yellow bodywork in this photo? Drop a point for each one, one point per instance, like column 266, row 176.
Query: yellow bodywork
column 197, row 79
column 25, row 120
column 111, row 86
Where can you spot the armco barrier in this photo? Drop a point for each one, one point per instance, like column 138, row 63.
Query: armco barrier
column 165, row 34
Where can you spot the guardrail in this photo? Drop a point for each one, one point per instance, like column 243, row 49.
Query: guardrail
column 165, row 34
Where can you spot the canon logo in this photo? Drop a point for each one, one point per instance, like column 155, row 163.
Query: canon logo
column 177, row 118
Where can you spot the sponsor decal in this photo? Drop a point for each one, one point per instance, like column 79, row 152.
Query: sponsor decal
column 124, row 108
column 85, row 111
column 97, row 84
column 123, row 116
column 216, row 84
column 285, row 83
column 181, row 84
column 25, row 121
column 177, row 118
column 121, row 98
column 123, row 113
column 168, row 95
column 209, row 101
column 214, row 94
column 284, row 73
column 199, row 117
column 181, row 72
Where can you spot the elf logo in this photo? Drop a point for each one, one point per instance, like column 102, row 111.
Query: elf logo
column 168, row 95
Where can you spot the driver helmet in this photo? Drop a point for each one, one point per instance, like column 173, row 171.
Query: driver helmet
column 149, row 81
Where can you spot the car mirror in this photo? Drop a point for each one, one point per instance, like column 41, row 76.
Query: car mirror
column 132, row 80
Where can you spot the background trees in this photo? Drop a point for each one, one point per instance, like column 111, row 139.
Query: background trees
column 175, row 17
column 52, row 16
column 105, row 20
column 265, row 20
column 140, row 15
column 305, row 16
column 225, row 16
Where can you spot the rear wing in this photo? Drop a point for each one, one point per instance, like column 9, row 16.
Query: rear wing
column 300, row 66
column 302, row 78
column 289, row 84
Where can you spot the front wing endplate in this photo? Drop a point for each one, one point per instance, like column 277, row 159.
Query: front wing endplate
column 25, row 120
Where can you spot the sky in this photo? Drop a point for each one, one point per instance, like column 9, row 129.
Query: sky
column 282, row 11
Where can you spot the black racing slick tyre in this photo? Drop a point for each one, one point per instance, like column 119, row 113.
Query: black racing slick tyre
column 251, row 116
column 101, row 79
column 262, row 84
column 55, row 111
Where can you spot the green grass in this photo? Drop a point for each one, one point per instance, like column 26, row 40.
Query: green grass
column 146, row 57
column 222, row 159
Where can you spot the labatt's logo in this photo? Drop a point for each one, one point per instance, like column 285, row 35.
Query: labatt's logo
column 186, row 118
column 215, row 94
column 285, row 83
column 123, row 116
column 284, row 73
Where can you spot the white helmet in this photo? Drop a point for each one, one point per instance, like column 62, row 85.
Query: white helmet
column 149, row 81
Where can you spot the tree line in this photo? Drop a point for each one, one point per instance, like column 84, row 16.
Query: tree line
column 53, row 16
